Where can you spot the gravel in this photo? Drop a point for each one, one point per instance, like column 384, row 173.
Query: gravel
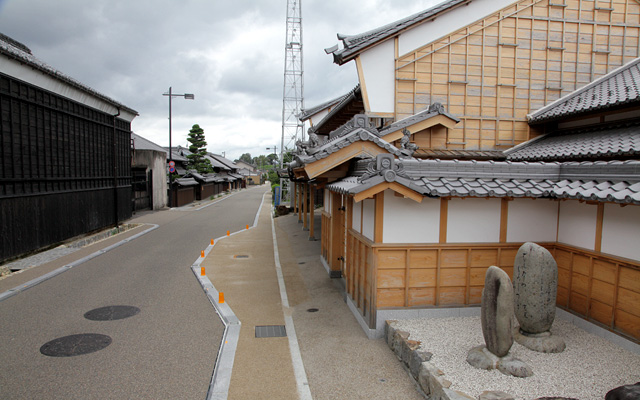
column 589, row 367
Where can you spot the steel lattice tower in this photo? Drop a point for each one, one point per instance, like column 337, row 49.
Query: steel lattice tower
column 292, row 94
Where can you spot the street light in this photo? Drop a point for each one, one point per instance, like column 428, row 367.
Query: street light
column 275, row 150
column 188, row 96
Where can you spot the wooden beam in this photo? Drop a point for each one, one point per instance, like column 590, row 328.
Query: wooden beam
column 312, row 208
column 504, row 217
column 299, row 189
column 305, row 205
column 444, row 214
column 396, row 187
column 341, row 156
column 599, row 223
column 379, row 216
column 422, row 125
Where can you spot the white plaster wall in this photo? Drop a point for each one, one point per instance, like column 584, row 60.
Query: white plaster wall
column 378, row 68
column 532, row 220
column 621, row 231
column 14, row 68
column 577, row 224
column 368, row 216
column 450, row 22
column 317, row 117
column 473, row 221
column 406, row 221
column 357, row 216
column 327, row 201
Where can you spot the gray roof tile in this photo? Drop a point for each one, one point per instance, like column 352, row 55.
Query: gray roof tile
column 613, row 141
column 620, row 86
column 607, row 181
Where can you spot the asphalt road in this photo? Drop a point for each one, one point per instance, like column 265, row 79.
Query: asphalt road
column 166, row 351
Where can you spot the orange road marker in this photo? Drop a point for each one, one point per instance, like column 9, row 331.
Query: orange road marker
column 202, row 273
column 202, row 254
column 228, row 233
column 212, row 242
column 220, row 297
column 247, row 226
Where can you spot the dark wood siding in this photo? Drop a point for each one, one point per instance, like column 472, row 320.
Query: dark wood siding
column 57, row 177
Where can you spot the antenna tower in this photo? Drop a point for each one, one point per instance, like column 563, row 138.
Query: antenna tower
column 292, row 93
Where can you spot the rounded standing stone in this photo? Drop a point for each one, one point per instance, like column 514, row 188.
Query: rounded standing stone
column 535, row 284
column 496, row 311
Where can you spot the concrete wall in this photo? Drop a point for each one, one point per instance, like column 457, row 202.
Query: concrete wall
column 155, row 161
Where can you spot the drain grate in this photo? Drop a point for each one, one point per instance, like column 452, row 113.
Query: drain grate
column 111, row 313
column 75, row 345
column 270, row 331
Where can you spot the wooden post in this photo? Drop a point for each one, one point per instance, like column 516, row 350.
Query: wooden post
column 300, row 203
column 312, row 208
column 305, row 205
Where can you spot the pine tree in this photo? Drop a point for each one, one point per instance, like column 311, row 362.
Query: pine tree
column 198, row 151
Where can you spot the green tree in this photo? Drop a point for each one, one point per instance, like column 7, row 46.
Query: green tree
column 246, row 157
column 198, row 151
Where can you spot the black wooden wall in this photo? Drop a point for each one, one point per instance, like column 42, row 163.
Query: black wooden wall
column 57, row 168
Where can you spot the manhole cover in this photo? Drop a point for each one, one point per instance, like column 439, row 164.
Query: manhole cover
column 111, row 313
column 265, row 331
column 240, row 256
column 75, row 345
column 313, row 310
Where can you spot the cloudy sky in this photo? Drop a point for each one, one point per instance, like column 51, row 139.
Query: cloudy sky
column 229, row 53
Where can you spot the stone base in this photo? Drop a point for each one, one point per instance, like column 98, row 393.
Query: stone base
column 482, row 358
column 543, row 342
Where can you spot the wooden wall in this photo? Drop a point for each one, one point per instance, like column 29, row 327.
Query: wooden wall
column 493, row 73
column 601, row 289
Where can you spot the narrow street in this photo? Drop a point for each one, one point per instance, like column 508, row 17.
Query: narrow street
column 167, row 350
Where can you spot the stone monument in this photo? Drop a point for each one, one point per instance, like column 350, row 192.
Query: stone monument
column 496, row 316
column 535, row 285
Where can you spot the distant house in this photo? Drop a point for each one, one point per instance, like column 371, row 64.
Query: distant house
column 66, row 155
column 483, row 124
column 149, row 174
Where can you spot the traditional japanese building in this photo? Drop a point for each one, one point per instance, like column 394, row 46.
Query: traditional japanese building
column 473, row 139
column 66, row 155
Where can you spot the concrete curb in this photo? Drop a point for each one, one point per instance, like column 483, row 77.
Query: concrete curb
column 223, row 368
column 19, row 289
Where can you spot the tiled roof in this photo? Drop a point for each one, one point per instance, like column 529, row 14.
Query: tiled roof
column 353, row 95
column 140, row 143
column 353, row 44
column 185, row 182
column 309, row 112
column 18, row 51
column 613, row 142
column 614, row 181
column 620, row 86
column 226, row 163
column 432, row 111
column 358, row 129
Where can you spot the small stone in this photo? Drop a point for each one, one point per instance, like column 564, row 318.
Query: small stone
column 496, row 311
column 407, row 349
column 398, row 338
column 495, row 395
column 514, row 367
column 535, row 284
column 389, row 331
column 416, row 359
column 482, row 358
column 456, row 395
column 626, row 392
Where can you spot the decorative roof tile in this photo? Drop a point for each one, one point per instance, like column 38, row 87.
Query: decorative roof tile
column 620, row 86
column 607, row 181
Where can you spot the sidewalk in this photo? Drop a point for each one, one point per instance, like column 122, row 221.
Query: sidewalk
column 339, row 360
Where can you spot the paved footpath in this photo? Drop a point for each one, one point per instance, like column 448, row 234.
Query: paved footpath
column 338, row 360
